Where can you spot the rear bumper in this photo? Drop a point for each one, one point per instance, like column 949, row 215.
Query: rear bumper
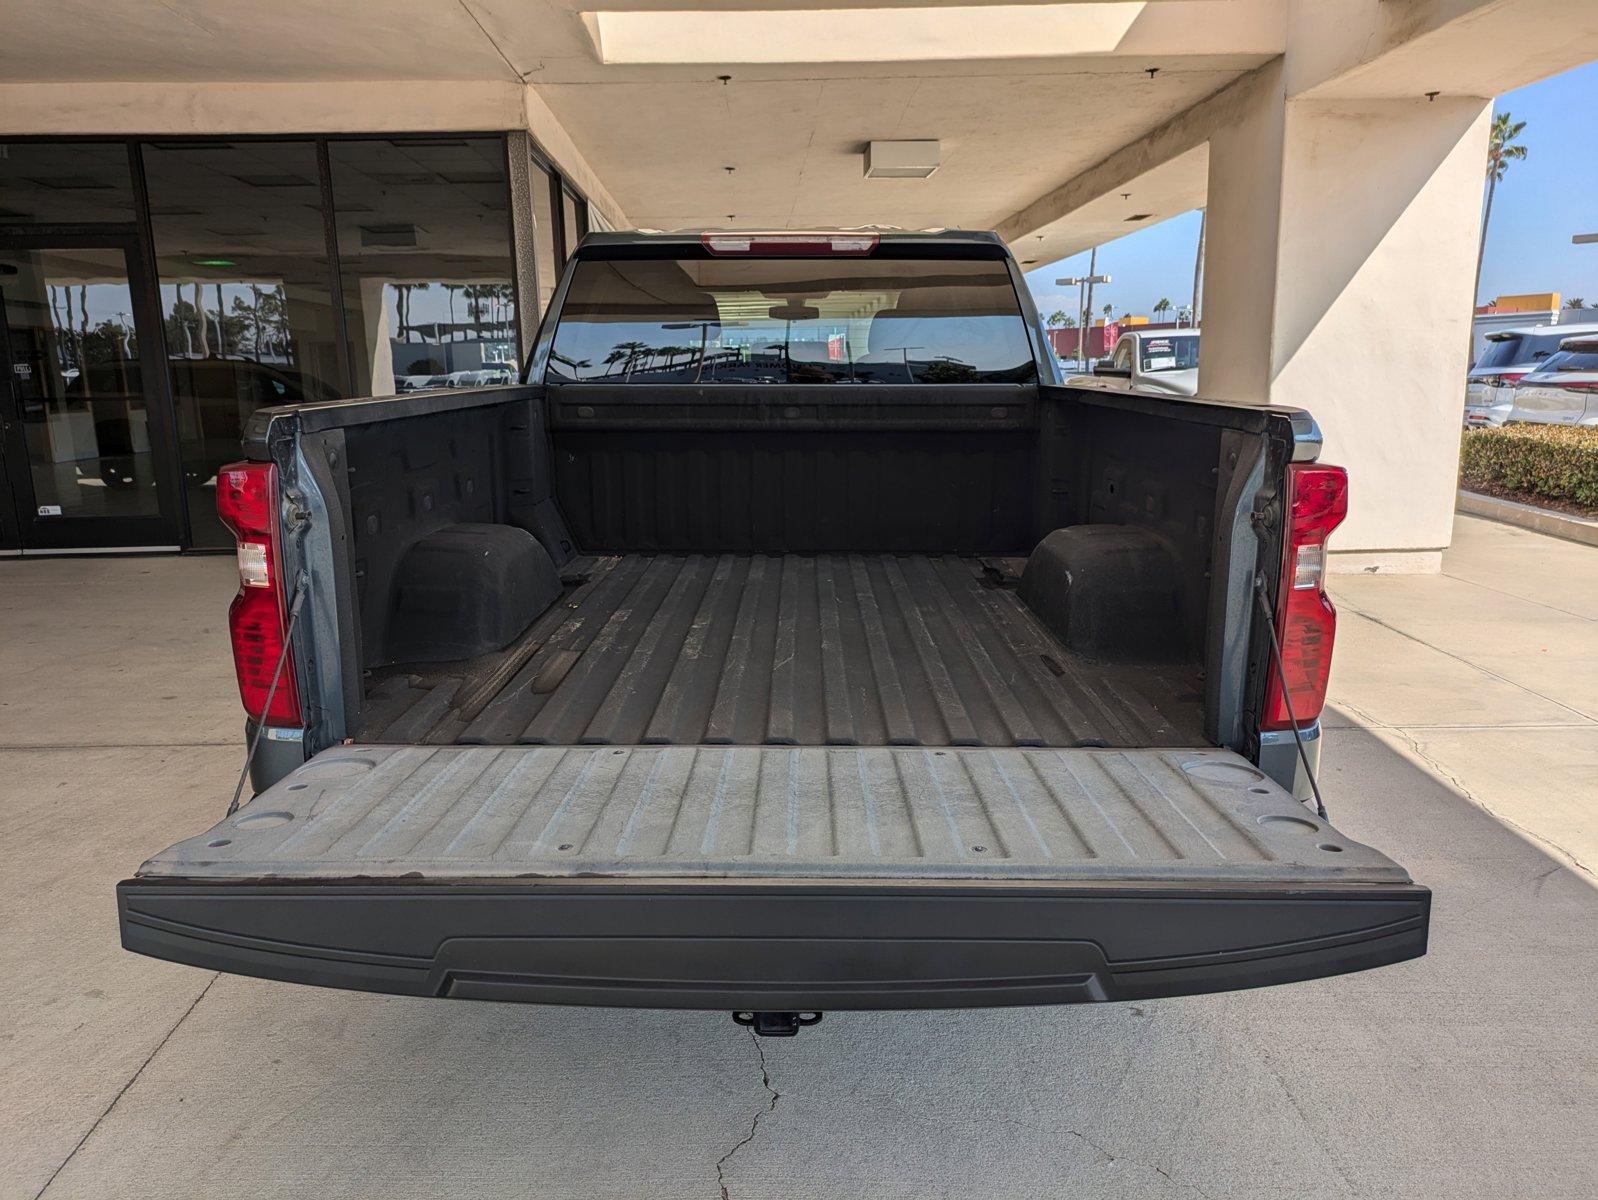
column 777, row 946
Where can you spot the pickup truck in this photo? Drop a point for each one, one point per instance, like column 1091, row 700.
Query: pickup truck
column 789, row 639
column 1164, row 362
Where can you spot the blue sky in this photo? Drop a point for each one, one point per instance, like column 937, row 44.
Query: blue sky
column 1552, row 194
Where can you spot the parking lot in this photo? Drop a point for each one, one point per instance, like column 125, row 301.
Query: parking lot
column 1462, row 740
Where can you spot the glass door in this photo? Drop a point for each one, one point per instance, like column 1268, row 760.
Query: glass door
column 87, row 451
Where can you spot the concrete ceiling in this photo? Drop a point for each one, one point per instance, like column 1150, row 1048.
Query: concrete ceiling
column 1174, row 187
column 796, row 144
column 660, row 134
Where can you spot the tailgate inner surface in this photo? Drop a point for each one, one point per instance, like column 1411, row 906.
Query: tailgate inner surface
column 448, row 813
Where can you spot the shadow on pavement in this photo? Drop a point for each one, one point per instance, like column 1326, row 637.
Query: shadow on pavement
column 1470, row 1072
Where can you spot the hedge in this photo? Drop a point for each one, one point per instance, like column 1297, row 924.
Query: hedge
column 1557, row 462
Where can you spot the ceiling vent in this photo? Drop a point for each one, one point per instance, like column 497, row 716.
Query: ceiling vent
column 388, row 236
column 901, row 160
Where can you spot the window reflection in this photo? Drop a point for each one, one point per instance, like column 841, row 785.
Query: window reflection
column 74, row 361
column 544, row 250
column 424, row 247
column 245, row 295
column 709, row 320
column 64, row 182
column 572, row 221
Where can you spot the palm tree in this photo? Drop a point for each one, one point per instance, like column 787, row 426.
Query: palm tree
column 1576, row 302
column 1058, row 317
column 1162, row 306
column 1502, row 149
column 1068, row 322
column 1108, row 309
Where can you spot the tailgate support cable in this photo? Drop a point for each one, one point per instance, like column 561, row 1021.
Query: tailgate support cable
column 277, row 674
column 1287, row 692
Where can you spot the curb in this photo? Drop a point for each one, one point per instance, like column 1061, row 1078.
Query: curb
column 1529, row 516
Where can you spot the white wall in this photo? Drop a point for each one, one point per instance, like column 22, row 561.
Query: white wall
column 1338, row 278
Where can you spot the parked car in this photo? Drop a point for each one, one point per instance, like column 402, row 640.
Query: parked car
column 1511, row 355
column 829, row 654
column 1163, row 361
column 481, row 377
column 1564, row 389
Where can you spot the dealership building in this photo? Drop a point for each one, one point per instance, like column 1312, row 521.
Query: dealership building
column 209, row 208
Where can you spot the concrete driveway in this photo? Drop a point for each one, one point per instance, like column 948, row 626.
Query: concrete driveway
column 1464, row 742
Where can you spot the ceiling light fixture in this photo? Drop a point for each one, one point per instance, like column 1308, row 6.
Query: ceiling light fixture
column 902, row 160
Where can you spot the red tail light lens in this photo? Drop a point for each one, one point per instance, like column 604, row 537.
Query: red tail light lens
column 1306, row 622
column 246, row 500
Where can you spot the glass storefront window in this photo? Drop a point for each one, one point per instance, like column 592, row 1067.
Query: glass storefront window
column 246, row 300
column 544, row 252
column 571, row 213
column 75, row 362
column 424, row 247
column 63, row 183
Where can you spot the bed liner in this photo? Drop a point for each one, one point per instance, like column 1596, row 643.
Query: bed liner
column 810, row 650
column 767, row 812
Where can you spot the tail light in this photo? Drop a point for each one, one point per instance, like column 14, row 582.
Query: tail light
column 1509, row 379
column 246, row 500
column 790, row 244
column 1306, row 622
column 1589, row 388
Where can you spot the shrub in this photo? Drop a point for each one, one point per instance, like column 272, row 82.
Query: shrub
column 1557, row 462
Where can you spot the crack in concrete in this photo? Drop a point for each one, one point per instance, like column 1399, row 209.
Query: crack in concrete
column 123, row 1090
column 1458, row 785
column 1304, row 1117
column 1111, row 1156
column 754, row 1125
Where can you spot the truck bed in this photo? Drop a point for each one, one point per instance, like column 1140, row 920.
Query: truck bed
column 797, row 650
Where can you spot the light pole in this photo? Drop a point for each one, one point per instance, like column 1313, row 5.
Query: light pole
column 1080, row 282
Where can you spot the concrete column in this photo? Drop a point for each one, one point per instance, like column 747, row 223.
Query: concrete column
column 374, row 314
column 1342, row 249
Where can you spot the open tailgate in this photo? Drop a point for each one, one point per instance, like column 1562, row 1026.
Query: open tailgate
column 775, row 878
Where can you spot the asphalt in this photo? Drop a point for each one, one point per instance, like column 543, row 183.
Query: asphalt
column 1463, row 740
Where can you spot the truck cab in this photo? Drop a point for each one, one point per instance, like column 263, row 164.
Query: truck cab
column 1161, row 362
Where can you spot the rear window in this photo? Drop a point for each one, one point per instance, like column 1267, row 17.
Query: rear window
column 1521, row 349
column 1573, row 360
column 1170, row 353
column 1500, row 352
column 769, row 320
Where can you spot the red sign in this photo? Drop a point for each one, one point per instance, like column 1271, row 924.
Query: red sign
column 1112, row 333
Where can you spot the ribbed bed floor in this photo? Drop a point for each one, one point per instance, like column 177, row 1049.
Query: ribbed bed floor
column 845, row 650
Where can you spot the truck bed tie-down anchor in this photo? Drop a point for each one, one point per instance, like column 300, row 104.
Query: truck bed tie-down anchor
column 776, row 1024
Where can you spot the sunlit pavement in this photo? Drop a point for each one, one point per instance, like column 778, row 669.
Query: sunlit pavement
column 1462, row 740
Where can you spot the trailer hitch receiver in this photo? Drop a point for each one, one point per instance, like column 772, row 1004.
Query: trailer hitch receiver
column 776, row 1024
